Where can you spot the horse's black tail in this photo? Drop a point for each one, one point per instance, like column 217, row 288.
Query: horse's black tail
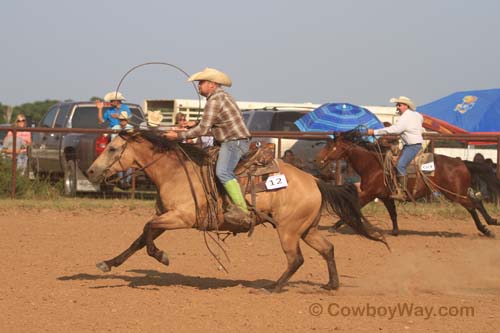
column 344, row 201
column 486, row 174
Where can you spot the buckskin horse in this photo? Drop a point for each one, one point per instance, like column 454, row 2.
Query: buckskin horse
column 177, row 170
column 451, row 177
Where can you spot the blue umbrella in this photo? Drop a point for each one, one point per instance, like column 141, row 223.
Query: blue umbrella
column 337, row 117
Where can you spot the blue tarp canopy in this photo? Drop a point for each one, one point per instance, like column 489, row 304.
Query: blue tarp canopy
column 473, row 111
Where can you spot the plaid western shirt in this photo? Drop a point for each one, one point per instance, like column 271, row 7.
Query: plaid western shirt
column 222, row 116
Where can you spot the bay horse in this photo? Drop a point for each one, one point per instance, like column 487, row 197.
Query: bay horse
column 451, row 176
column 175, row 169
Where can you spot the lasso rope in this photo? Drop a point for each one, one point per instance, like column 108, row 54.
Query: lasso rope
column 211, row 195
column 164, row 64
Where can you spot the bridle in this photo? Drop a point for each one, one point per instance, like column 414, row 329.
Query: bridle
column 324, row 161
column 118, row 159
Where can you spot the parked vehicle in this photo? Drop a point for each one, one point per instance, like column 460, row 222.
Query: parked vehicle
column 283, row 119
column 69, row 155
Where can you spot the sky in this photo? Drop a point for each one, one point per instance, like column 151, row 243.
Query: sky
column 356, row 51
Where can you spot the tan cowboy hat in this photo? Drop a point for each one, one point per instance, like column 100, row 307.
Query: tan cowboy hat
column 211, row 74
column 123, row 115
column 114, row 96
column 154, row 118
column 404, row 100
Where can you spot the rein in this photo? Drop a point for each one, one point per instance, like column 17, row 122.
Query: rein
column 211, row 194
column 432, row 186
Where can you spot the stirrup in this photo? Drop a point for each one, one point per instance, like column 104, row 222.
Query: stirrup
column 235, row 216
column 399, row 195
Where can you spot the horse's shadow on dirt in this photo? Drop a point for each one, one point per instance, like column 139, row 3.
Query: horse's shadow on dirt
column 153, row 278
column 349, row 231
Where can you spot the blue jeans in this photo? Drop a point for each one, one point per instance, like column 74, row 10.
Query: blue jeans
column 229, row 155
column 407, row 155
column 128, row 179
column 22, row 161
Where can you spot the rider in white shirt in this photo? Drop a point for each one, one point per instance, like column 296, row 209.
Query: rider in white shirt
column 409, row 126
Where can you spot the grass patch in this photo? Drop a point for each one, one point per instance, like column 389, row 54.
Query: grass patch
column 26, row 188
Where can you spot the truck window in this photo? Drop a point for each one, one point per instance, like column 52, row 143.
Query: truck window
column 284, row 121
column 48, row 120
column 261, row 121
column 137, row 117
column 61, row 116
column 246, row 116
column 86, row 117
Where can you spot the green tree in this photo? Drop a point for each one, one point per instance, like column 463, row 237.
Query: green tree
column 34, row 110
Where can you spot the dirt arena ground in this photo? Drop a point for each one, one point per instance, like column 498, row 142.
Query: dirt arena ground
column 440, row 275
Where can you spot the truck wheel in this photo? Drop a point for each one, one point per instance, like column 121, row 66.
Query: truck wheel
column 70, row 179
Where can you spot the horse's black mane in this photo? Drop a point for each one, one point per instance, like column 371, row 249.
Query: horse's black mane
column 162, row 144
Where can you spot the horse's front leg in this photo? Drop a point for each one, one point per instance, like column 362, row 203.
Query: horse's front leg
column 171, row 220
column 151, row 231
column 138, row 244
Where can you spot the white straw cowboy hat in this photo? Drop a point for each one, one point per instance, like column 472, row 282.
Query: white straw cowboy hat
column 123, row 115
column 114, row 96
column 404, row 100
column 211, row 74
column 154, row 118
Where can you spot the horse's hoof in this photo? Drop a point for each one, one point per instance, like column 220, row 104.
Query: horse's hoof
column 330, row 286
column 489, row 234
column 277, row 290
column 164, row 259
column 494, row 222
column 103, row 267
column 274, row 288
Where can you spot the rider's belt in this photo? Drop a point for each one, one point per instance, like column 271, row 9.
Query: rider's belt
column 414, row 144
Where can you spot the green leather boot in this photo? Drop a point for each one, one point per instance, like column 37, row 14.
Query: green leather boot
column 234, row 191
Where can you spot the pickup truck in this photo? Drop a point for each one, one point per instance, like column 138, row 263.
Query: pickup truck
column 68, row 155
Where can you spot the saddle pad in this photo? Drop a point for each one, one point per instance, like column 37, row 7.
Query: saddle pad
column 425, row 163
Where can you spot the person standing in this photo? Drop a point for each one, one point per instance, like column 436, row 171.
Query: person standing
column 409, row 126
column 23, row 140
column 224, row 119
column 111, row 115
column 290, row 158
